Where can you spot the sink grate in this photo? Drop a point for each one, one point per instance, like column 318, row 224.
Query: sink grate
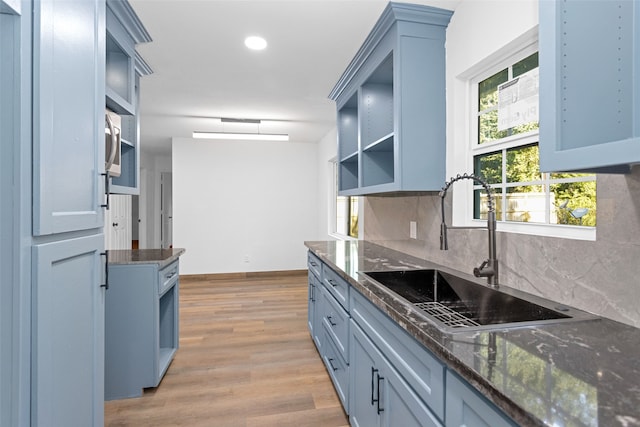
column 446, row 315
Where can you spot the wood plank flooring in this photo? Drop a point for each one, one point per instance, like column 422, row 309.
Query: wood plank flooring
column 246, row 359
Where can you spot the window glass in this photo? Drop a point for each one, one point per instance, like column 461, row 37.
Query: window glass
column 522, row 193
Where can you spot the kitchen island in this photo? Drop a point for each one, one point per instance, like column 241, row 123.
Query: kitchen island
column 141, row 319
column 582, row 373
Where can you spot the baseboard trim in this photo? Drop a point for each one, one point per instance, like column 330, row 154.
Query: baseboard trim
column 240, row 276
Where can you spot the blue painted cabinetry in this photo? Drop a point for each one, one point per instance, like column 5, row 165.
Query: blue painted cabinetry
column 141, row 326
column 384, row 376
column 391, row 105
column 68, row 152
column 466, row 407
column 412, row 391
column 315, row 300
column 379, row 395
column 589, row 85
column 67, row 365
column 329, row 323
column 124, row 68
column 67, row 300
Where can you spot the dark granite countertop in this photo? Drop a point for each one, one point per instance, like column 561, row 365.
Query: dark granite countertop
column 162, row 257
column 583, row 373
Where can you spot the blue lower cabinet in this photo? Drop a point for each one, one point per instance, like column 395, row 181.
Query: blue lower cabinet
column 67, row 369
column 466, row 407
column 337, row 367
column 379, row 395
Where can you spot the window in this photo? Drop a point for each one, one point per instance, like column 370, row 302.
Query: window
column 344, row 215
column 504, row 151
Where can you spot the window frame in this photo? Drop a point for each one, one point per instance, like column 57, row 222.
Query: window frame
column 463, row 153
column 333, row 205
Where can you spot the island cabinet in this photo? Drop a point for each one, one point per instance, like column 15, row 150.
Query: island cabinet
column 391, row 105
column 141, row 319
column 124, row 68
column 589, row 123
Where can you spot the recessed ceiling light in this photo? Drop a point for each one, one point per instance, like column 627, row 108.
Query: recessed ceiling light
column 255, row 43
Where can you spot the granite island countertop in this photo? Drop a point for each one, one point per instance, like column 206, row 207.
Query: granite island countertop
column 162, row 257
column 583, row 373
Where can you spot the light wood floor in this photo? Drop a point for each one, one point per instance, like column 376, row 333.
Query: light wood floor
column 246, row 359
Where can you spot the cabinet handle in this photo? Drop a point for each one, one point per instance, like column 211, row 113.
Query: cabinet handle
column 313, row 263
column 170, row 275
column 378, row 393
column 105, row 285
column 373, row 372
column 114, row 224
column 331, row 364
column 311, row 292
column 332, row 283
column 331, row 321
column 106, row 189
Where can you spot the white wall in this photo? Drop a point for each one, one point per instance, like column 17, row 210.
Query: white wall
column 326, row 151
column 235, row 201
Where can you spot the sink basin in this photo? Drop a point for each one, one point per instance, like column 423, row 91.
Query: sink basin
column 458, row 304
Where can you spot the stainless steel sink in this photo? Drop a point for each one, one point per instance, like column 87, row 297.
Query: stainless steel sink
column 458, row 304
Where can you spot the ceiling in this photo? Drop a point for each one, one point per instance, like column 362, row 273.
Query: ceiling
column 203, row 71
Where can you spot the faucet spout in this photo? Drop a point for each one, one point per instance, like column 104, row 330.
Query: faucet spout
column 489, row 267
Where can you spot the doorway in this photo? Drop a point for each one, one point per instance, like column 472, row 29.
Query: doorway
column 166, row 210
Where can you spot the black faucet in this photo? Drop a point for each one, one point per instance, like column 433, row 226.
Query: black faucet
column 489, row 267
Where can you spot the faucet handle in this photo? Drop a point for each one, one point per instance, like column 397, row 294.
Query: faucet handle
column 480, row 271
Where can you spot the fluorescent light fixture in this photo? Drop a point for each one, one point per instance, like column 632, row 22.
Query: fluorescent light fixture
column 242, row 136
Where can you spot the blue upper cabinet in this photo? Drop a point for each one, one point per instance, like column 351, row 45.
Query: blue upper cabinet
column 391, row 105
column 589, row 85
column 68, row 112
column 124, row 67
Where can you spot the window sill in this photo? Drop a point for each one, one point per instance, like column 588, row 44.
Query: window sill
column 337, row 236
column 544, row 230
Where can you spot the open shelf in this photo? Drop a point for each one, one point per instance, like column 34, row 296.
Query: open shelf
column 378, row 162
column 395, row 89
column 348, row 173
column 348, row 127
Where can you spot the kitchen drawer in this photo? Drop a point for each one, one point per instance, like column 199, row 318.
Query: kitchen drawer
column 415, row 364
column 336, row 320
column 167, row 277
column 338, row 368
column 338, row 287
column 314, row 264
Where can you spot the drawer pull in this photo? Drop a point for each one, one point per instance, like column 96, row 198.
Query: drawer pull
column 170, row 275
column 313, row 264
column 378, row 392
column 331, row 321
column 373, row 372
column 333, row 367
column 332, row 283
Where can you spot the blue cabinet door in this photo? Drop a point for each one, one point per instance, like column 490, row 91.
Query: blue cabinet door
column 379, row 395
column 364, row 370
column 589, row 123
column 68, row 115
column 67, row 365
